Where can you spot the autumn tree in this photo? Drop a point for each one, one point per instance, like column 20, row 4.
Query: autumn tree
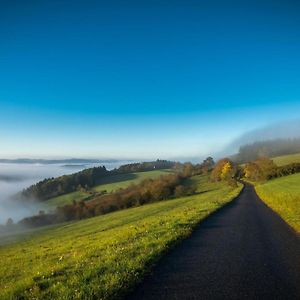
column 267, row 166
column 224, row 170
column 217, row 170
column 188, row 170
column 252, row 171
column 261, row 169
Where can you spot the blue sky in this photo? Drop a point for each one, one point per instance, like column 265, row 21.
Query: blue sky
column 143, row 79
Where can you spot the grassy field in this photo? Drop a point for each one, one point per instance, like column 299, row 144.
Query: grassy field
column 287, row 159
column 111, row 183
column 67, row 198
column 102, row 257
column 124, row 180
column 283, row 196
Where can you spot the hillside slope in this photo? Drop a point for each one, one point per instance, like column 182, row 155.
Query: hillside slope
column 103, row 256
column 283, row 196
column 85, row 179
column 110, row 184
column 286, row 159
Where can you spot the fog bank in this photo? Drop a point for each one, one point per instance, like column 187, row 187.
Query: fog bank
column 283, row 130
column 14, row 177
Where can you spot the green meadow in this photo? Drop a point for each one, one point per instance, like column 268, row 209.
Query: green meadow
column 121, row 181
column 109, row 184
column 287, row 159
column 283, row 196
column 103, row 257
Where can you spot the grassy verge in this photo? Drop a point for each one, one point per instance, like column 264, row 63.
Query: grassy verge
column 283, row 196
column 111, row 183
column 102, row 257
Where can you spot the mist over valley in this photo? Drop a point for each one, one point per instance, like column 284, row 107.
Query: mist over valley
column 14, row 177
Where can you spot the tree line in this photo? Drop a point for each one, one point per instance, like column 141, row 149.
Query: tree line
column 260, row 169
column 264, row 168
column 145, row 166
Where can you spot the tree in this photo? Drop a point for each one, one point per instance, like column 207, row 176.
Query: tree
column 267, row 166
column 218, row 168
column 208, row 164
column 188, row 169
column 261, row 169
column 252, row 171
column 227, row 171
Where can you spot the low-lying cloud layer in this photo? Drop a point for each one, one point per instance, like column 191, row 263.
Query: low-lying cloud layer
column 14, row 177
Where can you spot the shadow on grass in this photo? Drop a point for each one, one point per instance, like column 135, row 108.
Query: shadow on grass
column 117, row 178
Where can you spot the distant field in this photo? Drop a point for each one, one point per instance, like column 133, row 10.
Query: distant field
column 124, row 180
column 287, row 159
column 111, row 183
column 283, row 196
column 101, row 257
column 67, row 198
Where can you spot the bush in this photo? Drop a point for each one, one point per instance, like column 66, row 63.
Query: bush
column 286, row 170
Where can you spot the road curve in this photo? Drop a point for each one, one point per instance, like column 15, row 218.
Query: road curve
column 243, row 251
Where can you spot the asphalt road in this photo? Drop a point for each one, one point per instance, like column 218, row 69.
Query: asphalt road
column 244, row 251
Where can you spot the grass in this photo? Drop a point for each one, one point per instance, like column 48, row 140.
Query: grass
column 110, row 184
column 202, row 184
column 124, row 180
column 283, row 196
column 67, row 198
column 287, row 159
column 103, row 257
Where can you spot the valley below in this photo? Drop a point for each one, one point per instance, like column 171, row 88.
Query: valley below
column 16, row 176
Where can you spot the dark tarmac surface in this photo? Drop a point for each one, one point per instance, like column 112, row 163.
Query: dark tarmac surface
column 243, row 251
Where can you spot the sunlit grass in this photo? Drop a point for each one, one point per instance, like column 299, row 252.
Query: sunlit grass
column 102, row 257
column 67, row 198
column 109, row 184
column 287, row 159
column 121, row 181
column 283, row 196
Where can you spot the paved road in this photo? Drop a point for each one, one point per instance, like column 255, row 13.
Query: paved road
column 244, row 251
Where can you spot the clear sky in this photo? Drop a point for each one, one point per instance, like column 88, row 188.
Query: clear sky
column 143, row 79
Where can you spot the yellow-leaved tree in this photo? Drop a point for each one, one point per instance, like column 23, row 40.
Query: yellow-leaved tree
column 227, row 171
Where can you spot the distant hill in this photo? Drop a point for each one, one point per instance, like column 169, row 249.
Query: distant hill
column 269, row 148
column 85, row 179
column 69, row 161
